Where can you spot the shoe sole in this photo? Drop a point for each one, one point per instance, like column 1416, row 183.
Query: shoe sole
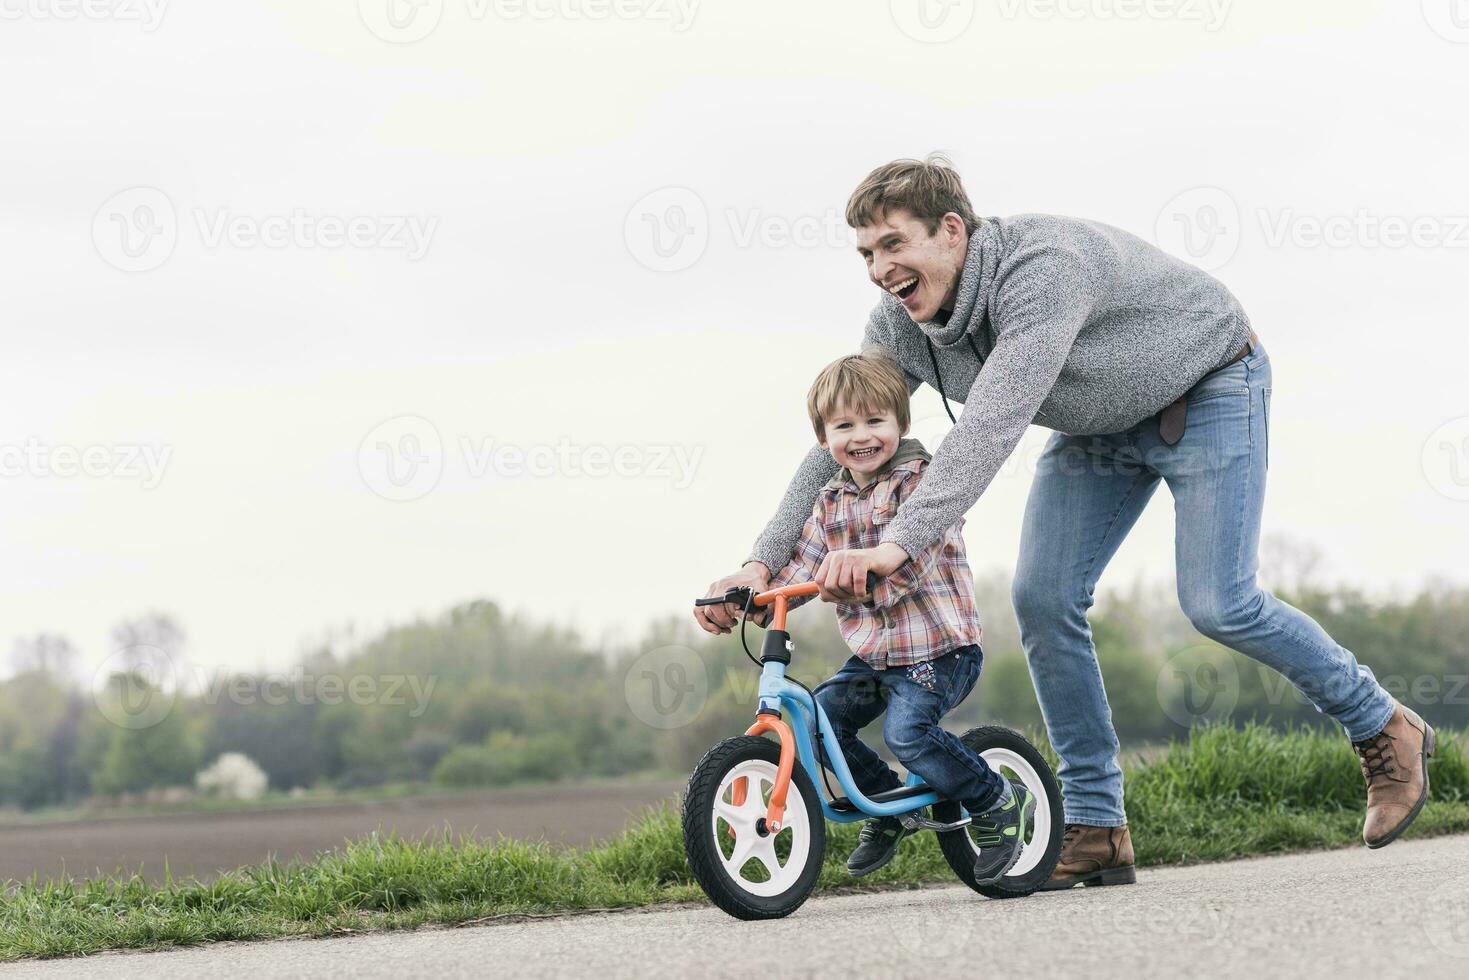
column 1430, row 743
column 892, row 853
column 1026, row 813
column 1107, row 876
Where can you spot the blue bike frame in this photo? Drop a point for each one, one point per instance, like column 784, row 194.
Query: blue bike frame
column 777, row 693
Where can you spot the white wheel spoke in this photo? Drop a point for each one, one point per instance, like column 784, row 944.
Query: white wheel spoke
column 759, row 777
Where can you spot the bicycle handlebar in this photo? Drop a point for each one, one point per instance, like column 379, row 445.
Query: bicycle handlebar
column 739, row 594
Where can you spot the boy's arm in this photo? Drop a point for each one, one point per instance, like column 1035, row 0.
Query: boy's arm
column 778, row 541
column 891, row 589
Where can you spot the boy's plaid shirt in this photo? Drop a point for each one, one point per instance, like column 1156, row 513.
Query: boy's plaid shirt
column 923, row 610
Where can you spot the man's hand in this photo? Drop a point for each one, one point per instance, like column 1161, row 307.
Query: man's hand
column 842, row 576
column 722, row 618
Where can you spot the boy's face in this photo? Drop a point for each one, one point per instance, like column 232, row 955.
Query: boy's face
column 862, row 440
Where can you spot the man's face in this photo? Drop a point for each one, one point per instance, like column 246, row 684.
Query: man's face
column 921, row 269
column 861, row 439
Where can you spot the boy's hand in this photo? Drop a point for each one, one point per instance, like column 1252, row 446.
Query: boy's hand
column 842, row 576
column 722, row 618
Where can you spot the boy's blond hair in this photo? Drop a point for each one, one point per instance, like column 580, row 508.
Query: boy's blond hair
column 868, row 381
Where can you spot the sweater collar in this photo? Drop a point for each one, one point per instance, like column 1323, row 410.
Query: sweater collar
column 975, row 280
column 908, row 450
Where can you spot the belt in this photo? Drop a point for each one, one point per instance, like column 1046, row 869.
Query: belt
column 1174, row 419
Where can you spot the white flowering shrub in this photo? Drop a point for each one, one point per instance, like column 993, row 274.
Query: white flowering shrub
column 233, row 776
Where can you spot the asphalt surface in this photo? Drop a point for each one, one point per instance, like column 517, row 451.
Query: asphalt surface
column 1400, row 911
column 201, row 845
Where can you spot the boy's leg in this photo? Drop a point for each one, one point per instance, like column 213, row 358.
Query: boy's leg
column 918, row 697
column 852, row 699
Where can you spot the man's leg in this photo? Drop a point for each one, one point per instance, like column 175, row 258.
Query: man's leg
column 1087, row 494
column 1216, row 474
column 852, row 699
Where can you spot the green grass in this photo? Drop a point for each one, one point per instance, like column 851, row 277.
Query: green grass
column 1223, row 794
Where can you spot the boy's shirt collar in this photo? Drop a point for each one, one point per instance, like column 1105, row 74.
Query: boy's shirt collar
column 908, row 450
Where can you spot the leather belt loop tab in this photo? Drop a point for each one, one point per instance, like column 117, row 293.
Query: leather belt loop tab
column 1172, row 421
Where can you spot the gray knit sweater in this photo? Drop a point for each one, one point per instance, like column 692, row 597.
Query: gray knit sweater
column 1090, row 330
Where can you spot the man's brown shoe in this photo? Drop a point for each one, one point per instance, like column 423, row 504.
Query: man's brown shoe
column 1093, row 856
column 1395, row 764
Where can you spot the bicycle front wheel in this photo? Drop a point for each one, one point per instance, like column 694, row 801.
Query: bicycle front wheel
column 745, row 873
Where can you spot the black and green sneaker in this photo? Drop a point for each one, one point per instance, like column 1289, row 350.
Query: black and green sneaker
column 876, row 846
column 999, row 832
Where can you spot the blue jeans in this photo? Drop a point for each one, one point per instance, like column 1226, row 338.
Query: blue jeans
column 915, row 698
column 1087, row 494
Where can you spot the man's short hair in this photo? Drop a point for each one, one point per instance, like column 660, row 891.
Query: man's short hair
column 928, row 189
column 869, row 381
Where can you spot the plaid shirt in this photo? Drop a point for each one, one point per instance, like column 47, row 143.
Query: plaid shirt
column 923, row 610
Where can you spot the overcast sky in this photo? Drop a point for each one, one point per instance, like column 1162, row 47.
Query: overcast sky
column 325, row 313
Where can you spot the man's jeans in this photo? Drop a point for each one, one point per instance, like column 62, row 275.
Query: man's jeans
column 1087, row 494
column 915, row 699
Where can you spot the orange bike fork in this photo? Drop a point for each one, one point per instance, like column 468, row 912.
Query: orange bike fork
column 777, row 810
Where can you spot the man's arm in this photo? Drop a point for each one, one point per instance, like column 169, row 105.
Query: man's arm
column 1040, row 308
column 891, row 588
column 778, row 541
column 810, row 549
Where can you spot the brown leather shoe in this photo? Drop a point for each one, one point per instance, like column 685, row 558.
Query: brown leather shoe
column 1395, row 765
column 1093, row 856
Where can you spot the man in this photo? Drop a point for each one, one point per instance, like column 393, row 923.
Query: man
column 1147, row 370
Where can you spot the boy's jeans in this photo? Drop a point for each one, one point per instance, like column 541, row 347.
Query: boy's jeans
column 1088, row 492
column 915, row 699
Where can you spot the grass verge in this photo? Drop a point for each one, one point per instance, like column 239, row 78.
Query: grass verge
column 1222, row 794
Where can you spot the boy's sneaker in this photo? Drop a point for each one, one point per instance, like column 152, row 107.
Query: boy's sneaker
column 1000, row 833
column 878, row 842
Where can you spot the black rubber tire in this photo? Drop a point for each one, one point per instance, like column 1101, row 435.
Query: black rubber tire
column 959, row 850
column 699, row 843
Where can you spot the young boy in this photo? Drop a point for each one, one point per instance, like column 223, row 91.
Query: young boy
column 915, row 639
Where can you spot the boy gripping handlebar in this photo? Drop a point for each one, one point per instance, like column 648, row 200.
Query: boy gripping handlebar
column 914, row 637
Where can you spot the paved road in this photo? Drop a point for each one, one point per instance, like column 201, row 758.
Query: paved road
column 203, row 844
column 1401, row 911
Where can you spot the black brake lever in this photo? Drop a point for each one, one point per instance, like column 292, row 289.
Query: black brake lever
column 739, row 594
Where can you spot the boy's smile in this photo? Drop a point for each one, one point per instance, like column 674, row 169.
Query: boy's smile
column 861, row 440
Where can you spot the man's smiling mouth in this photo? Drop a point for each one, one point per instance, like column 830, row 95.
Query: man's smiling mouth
column 904, row 289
